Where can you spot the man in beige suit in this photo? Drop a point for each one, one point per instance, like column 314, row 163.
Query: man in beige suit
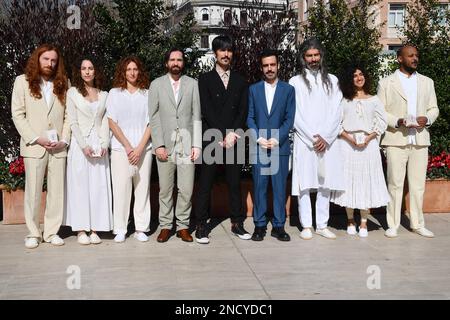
column 411, row 107
column 39, row 114
column 174, row 110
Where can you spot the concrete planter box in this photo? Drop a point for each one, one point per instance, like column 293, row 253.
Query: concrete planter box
column 436, row 198
column 13, row 211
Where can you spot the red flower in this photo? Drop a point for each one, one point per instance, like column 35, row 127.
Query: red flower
column 17, row 167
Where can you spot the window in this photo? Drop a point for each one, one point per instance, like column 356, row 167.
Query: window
column 227, row 17
column 396, row 15
column 243, row 18
column 394, row 47
column 205, row 14
column 443, row 10
column 204, row 42
column 265, row 17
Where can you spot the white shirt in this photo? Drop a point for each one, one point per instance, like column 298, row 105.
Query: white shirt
column 175, row 92
column 47, row 91
column 269, row 90
column 409, row 86
column 130, row 112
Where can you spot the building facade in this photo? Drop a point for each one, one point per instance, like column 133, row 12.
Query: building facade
column 391, row 12
column 214, row 16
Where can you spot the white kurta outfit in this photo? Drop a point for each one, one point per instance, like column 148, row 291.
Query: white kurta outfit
column 89, row 200
column 365, row 186
column 130, row 112
column 317, row 112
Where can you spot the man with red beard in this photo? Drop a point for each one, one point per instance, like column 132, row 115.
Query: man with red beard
column 39, row 114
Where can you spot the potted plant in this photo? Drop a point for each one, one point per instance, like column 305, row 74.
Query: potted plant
column 437, row 187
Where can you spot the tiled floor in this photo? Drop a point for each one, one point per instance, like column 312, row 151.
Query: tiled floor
column 409, row 267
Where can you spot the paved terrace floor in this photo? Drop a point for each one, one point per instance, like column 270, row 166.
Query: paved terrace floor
column 410, row 266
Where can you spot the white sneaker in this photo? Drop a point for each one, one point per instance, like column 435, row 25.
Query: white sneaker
column 391, row 233
column 94, row 238
column 306, row 234
column 120, row 237
column 351, row 230
column 325, row 232
column 424, row 232
column 83, row 239
column 363, row 233
column 31, row 243
column 140, row 236
column 56, row 240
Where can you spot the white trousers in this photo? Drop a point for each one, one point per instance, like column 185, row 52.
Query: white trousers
column 322, row 208
column 123, row 182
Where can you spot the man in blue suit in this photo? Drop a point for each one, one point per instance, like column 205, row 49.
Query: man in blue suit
column 270, row 117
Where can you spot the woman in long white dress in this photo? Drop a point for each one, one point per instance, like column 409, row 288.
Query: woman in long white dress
column 363, row 122
column 88, row 198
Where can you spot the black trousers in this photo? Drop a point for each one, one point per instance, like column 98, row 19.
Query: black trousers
column 205, row 185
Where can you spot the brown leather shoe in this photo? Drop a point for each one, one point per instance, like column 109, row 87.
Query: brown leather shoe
column 184, row 235
column 164, row 235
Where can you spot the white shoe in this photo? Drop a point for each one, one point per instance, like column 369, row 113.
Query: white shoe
column 120, row 237
column 56, row 240
column 306, row 234
column 351, row 230
column 363, row 233
column 391, row 233
column 83, row 238
column 325, row 232
column 31, row 243
column 424, row 232
column 94, row 238
column 140, row 236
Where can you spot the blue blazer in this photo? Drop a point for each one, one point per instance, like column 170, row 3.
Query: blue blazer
column 281, row 114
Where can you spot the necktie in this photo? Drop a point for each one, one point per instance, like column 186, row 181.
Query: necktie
column 225, row 79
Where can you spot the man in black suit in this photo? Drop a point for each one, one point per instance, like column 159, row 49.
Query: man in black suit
column 223, row 99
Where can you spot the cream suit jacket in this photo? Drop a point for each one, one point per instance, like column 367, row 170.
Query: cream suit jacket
column 394, row 99
column 32, row 118
column 82, row 120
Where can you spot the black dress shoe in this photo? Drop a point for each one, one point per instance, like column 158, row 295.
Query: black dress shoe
column 259, row 234
column 238, row 230
column 280, row 234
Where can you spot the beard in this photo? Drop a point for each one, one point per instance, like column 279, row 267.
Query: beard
column 313, row 66
column 47, row 71
column 410, row 69
column 175, row 70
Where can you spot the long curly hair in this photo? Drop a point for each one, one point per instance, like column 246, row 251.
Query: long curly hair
column 120, row 80
column 313, row 43
column 33, row 73
column 77, row 80
column 346, row 82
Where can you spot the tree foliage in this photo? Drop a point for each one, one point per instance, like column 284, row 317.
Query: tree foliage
column 265, row 29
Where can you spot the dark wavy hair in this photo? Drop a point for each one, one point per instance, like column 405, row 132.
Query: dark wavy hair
column 120, row 80
column 33, row 73
column 313, row 43
column 346, row 83
column 77, row 80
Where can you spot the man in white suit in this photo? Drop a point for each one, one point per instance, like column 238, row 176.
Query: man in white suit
column 39, row 114
column 411, row 107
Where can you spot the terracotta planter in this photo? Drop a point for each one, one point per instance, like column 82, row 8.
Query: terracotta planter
column 436, row 198
column 13, row 207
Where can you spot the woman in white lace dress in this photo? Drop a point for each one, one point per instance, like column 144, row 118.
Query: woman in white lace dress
column 363, row 122
column 88, row 200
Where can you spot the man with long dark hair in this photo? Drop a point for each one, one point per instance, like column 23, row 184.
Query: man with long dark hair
column 38, row 109
column 316, row 158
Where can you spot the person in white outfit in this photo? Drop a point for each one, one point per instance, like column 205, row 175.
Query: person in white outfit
column 131, row 158
column 88, row 198
column 363, row 122
column 317, row 164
